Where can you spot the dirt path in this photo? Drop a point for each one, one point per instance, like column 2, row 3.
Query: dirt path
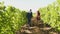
column 37, row 28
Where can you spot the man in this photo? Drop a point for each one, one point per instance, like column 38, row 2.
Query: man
column 29, row 16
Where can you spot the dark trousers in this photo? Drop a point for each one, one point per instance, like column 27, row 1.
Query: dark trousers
column 29, row 22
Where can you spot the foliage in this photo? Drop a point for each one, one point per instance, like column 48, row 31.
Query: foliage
column 11, row 19
column 51, row 15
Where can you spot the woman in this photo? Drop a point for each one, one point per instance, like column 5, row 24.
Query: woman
column 38, row 15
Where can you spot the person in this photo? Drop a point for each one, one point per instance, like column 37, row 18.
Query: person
column 29, row 16
column 38, row 15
